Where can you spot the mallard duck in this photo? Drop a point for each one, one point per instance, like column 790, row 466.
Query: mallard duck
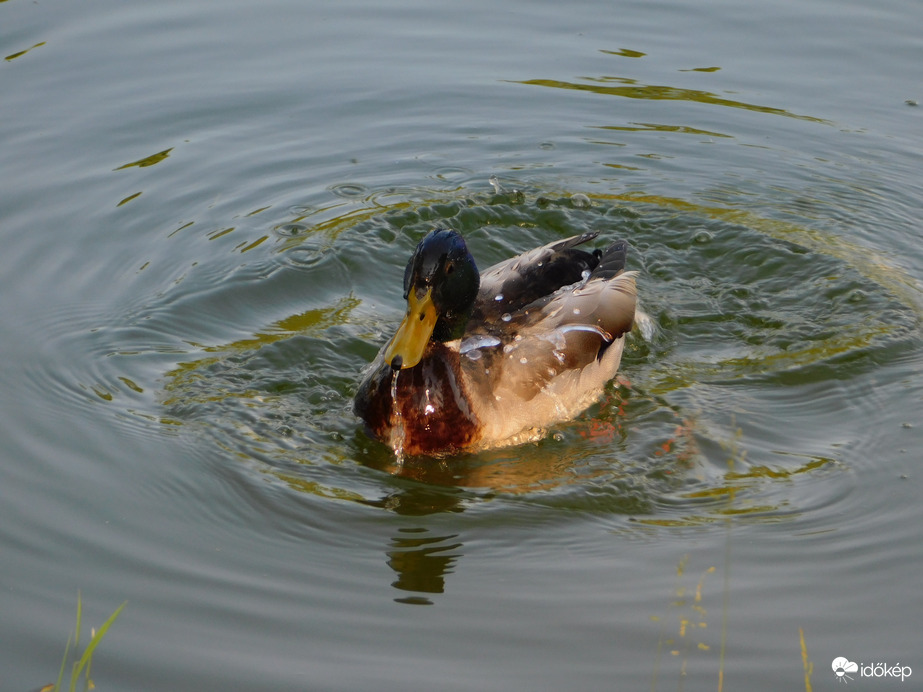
column 494, row 359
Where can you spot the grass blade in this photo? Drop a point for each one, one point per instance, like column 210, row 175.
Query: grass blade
column 77, row 629
column 91, row 647
column 806, row 662
column 67, row 650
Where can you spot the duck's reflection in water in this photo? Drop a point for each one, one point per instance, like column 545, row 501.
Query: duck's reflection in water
column 421, row 562
column 420, row 559
column 424, row 487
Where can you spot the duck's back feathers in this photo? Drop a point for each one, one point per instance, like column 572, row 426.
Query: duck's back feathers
column 514, row 283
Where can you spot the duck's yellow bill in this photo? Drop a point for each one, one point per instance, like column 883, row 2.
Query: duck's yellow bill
column 410, row 341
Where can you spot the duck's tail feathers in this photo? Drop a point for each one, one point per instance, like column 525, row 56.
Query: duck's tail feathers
column 611, row 261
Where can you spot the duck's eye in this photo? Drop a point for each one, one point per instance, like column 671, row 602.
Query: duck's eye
column 450, row 267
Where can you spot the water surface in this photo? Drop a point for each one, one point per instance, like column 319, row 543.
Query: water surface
column 205, row 214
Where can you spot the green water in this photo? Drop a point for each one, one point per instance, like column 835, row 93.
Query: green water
column 205, row 215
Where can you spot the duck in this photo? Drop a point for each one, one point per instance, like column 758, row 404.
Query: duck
column 496, row 358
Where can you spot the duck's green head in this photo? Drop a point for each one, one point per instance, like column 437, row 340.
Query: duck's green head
column 440, row 284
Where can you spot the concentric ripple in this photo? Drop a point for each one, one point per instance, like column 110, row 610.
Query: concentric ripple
column 764, row 331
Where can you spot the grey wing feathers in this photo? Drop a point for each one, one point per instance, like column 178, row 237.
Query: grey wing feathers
column 518, row 281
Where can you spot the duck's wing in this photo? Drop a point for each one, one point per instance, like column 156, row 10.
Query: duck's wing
column 574, row 333
column 549, row 370
column 511, row 285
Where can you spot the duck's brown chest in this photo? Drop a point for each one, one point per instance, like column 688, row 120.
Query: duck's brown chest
column 428, row 401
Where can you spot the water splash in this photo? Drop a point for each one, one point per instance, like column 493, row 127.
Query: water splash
column 398, row 434
column 478, row 341
column 645, row 324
